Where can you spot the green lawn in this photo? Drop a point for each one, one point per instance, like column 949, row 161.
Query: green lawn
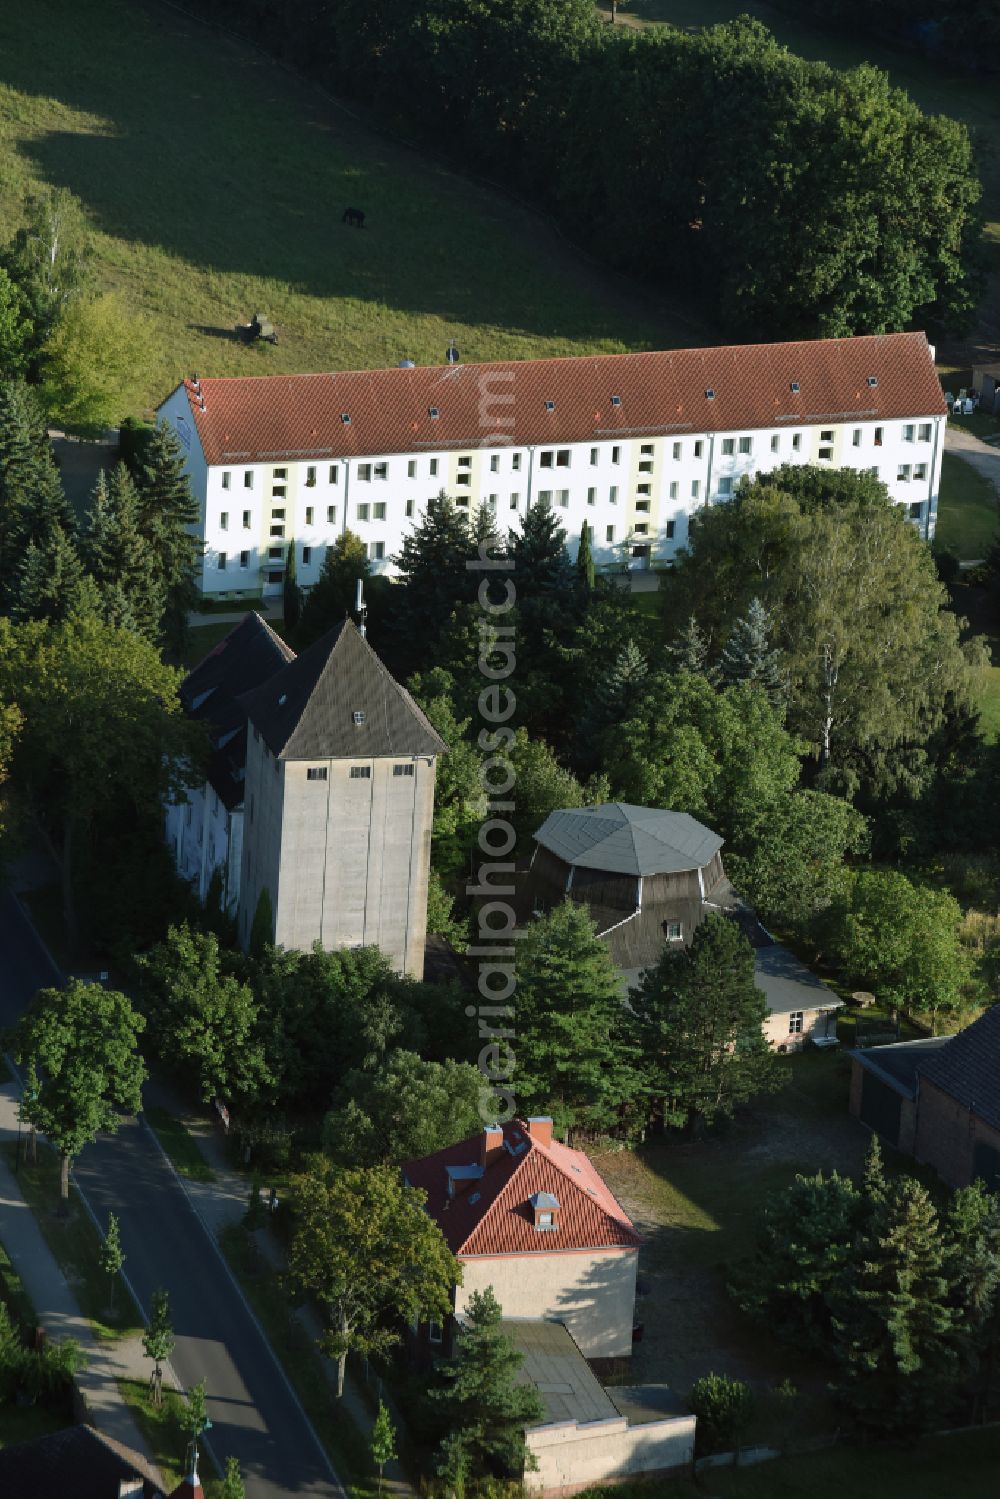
column 215, row 182
column 968, row 514
column 180, row 1145
column 74, row 1242
column 167, row 1437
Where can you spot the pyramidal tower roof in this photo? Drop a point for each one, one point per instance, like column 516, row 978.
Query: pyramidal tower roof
column 622, row 839
column 338, row 701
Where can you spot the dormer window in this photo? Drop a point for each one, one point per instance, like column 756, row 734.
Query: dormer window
column 872, row 381
column 433, row 413
column 545, row 1209
column 550, row 405
column 796, row 387
column 616, row 400
column 345, row 417
column 710, row 394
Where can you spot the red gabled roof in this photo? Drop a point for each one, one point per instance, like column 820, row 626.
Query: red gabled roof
column 247, row 419
column 492, row 1215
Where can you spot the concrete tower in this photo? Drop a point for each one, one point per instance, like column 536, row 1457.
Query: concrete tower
column 338, row 804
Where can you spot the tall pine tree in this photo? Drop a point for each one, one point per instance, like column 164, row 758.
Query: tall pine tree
column 689, row 651
column 32, row 503
column 433, row 582
column 332, row 596
column 291, row 592
column 585, row 560
column 748, row 656
column 118, row 559
column 168, row 521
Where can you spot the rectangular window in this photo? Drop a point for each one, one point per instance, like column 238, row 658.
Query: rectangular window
column 695, row 488
column 411, row 468
column 616, row 455
column 361, row 772
column 669, row 530
column 545, row 460
column 279, row 473
column 409, row 509
column 465, row 480
column 465, row 461
column 331, row 515
column 909, row 432
column 227, row 478
column 699, row 448
column 316, row 773
column 746, row 444
column 674, row 931
column 826, row 455
column 646, row 466
column 646, row 448
column 917, row 510
column 515, row 500
column 677, row 452
column 920, row 471
column 826, row 435
column 362, row 511
column 307, row 556
column 562, row 458
column 221, row 564
column 610, row 533
column 462, row 500
column 381, row 471
column 365, row 472
column 644, row 489
column 378, row 510
column 278, row 492
column 903, row 473
column 376, row 551
column 795, row 1020
column 310, row 478
column 434, row 1333
column 310, row 515
column 796, row 441
column 562, row 495
column 878, row 436
column 595, row 454
column 674, row 487
column 275, row 553
column 433, row 468
column 613, row 494
column 277, row 530
column 591, row 496
column 642, row 507
column 244, row 559
column 278, row 514
column 494, row 463
column 775, row 443
column 728, row 446
column 924, row 432
column 402, row 770
column 642, row 529
column 856, row 437
column 224, row 521
column 515, row 463
column 491, row 501
column 246, row 520
column 725, row 486
column 334, row 473
column 248, row 478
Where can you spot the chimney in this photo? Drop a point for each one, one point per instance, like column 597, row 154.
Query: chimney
column 540, row 1129
column 490, row 1145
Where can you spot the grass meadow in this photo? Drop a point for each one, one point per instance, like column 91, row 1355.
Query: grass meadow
column 214, row 183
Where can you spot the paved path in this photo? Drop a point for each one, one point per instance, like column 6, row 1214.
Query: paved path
column 255, row 1414
column 56, row 1306
column 981, row 456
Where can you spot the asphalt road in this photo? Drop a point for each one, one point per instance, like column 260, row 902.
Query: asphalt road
column 254, row 1414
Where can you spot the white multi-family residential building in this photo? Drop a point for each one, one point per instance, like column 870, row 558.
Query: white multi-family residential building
column 633, row 444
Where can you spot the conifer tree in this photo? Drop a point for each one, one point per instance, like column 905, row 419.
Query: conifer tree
column 585, row 560
column 168, row 520
column 291, row 592
column 32, row 502
column 332, row 596
column 622, row 684
column 972, row 1235
column 697, row 1022
column 49, row 579
column 748, row 656
column 573, row 1060
column 434, row 581
column 895, row 1330
column 689, row 652
column 485, row 1411
column 541, row 562
column 119, row 560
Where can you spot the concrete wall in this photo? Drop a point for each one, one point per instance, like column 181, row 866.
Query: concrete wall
column 639, row 491
column 947, row 1134
column 814, row 1023
column 204, row 837
column 573, row 1456
column 591, row 1291
column 263, row 796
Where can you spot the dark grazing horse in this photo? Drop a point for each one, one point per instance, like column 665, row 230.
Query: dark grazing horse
column 354, row 216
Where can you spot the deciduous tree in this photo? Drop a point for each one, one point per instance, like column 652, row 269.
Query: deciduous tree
column 80, row 1050
column 406, row 1108
column 158, row 1342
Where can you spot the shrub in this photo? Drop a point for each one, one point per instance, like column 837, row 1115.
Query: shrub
column 724, row 1408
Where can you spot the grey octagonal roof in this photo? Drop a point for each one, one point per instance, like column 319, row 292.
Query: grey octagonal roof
column 622, row 839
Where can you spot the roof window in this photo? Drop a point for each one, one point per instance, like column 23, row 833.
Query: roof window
column 345, row 417
column 710, row 394
column 872, row 381
column 550, row 405
column 616, row 400
column 433, row 413
column 796, row 387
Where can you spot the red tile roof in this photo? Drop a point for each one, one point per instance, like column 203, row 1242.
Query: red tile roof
column 493, row 1215
column 279, row 417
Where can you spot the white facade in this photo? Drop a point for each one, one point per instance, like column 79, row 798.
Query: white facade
column 207, row 838
column 637, row 493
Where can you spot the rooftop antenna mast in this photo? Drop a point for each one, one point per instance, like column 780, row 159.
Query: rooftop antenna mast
column 361, row 608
